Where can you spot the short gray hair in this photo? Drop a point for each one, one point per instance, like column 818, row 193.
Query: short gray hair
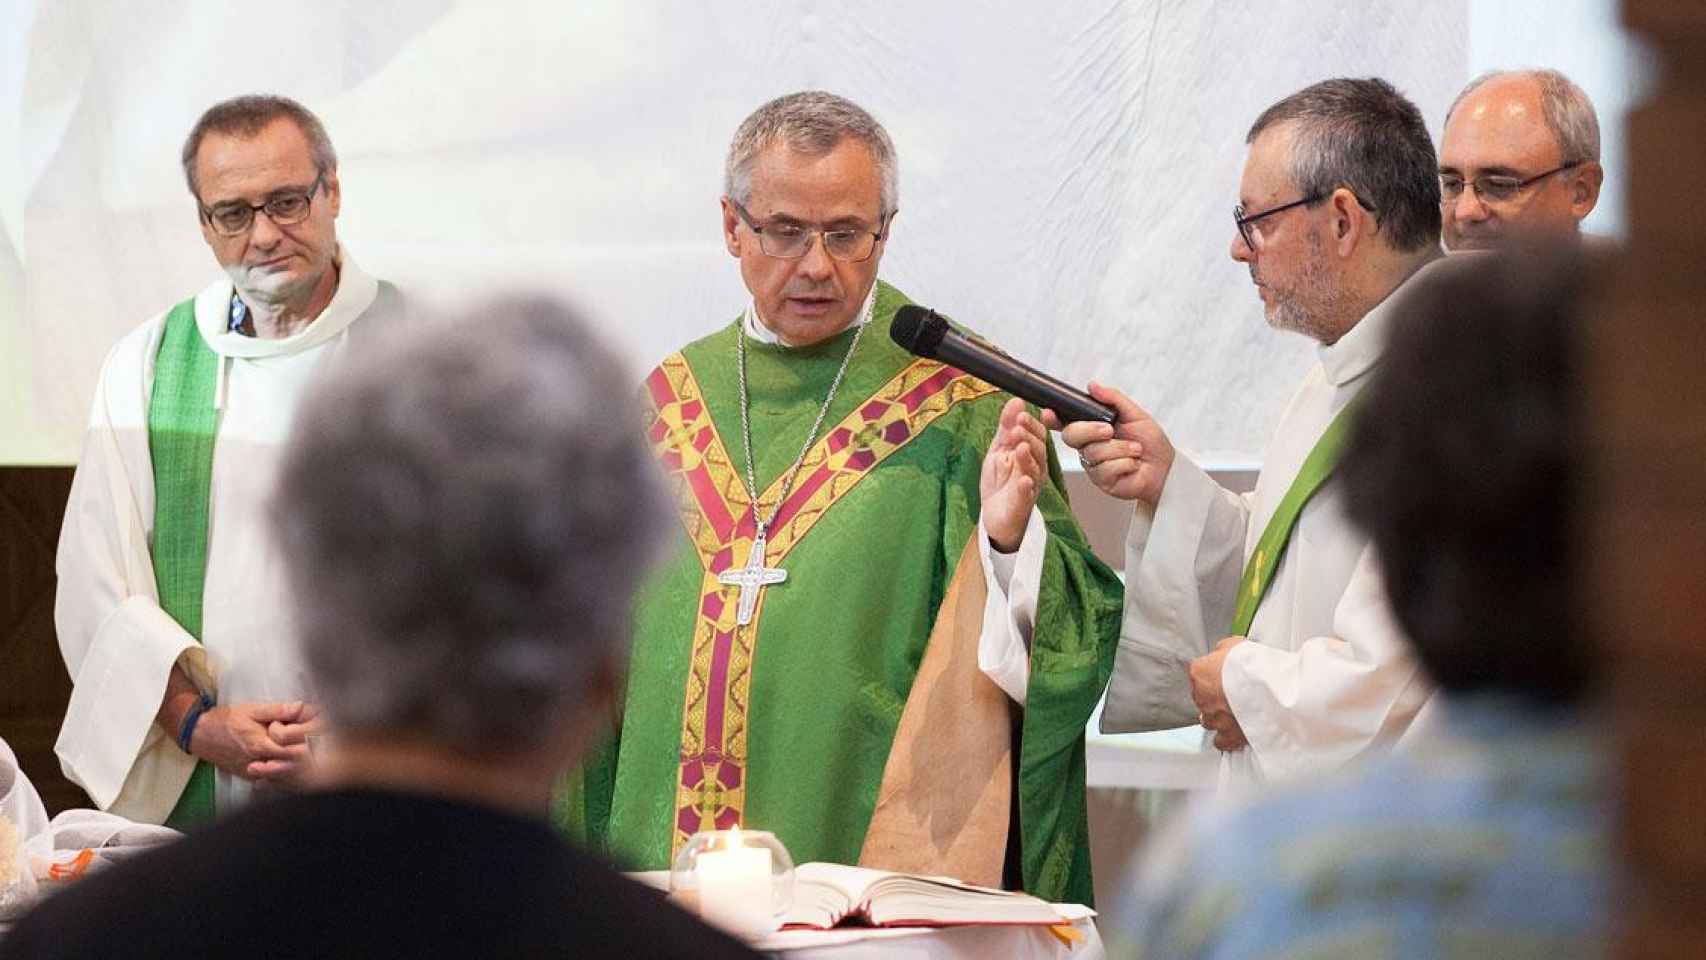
column 248, row 115
column 1365, row 135
column 810, row 122
column 1565, row 107
column 464, row 513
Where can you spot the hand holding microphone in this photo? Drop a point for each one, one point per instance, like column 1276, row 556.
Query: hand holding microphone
column 1123, row 450
column 1128, row 459
column 922, row 331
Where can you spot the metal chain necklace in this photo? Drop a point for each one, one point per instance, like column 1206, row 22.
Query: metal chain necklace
column 755, row 575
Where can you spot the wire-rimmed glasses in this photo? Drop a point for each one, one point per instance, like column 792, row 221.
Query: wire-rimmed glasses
column 787, row 240
column 1494, row 188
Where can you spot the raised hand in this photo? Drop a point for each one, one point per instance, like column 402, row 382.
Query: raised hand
column 1012, row 475
column 1128, row 460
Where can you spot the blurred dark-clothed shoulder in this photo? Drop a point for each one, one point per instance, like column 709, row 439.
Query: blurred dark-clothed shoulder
column 1464, row 466
column 363, row 873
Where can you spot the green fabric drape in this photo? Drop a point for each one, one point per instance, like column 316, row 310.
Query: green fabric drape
column 1264, row 562
column 182, row 422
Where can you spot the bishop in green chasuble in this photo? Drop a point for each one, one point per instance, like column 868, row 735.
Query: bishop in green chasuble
column 786, row 724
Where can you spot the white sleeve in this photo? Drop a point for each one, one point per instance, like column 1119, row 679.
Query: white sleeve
column 20, row 804
column 1012, row 582
column 1311, row 710
column 119, row 645
column 1183, row 562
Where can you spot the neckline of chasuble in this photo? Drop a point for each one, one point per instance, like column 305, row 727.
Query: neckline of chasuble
column 716, row 511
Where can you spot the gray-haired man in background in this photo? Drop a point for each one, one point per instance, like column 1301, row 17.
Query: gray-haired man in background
column 1520, row 155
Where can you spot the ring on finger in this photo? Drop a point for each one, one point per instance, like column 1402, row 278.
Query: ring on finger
column 1084, row 462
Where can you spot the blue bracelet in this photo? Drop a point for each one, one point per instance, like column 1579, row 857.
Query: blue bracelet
column 203, row 704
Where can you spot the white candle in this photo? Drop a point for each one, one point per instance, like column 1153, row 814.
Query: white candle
column 735, row 888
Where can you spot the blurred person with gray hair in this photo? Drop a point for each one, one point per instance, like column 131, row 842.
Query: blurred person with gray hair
column 1260, row 616
column 879, row 592
column 464, row 515
column 1519, row 155
column 169, row 610
column 1488, row 834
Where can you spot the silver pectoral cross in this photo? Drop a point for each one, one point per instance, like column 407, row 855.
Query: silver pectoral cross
column 751, row 578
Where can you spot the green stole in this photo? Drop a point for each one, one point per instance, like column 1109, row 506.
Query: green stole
column 181, row 426
column 1317, row 468
column 786, row 725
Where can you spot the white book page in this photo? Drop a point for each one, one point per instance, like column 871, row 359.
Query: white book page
column 824, row 893
column 908, row 900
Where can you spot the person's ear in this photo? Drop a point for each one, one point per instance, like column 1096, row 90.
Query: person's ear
column 592, row 714
column 731, row 228
column 334, row 193
column 1585, row 183
column 1348, row 221
column 207, row 230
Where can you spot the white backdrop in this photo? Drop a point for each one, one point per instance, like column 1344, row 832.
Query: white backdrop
column 1067, row 170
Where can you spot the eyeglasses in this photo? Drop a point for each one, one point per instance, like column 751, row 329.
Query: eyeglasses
column 284, row 207
column 1253, row 235
column 1493, row 189
column 791, row 241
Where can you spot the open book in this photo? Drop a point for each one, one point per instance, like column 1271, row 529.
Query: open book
column 829, row 894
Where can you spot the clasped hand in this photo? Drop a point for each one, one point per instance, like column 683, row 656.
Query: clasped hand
column 257, row 741
column 1209, row 694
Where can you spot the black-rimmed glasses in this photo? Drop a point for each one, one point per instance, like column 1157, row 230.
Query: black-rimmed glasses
column 787, row 240
column 1243, row 221
column 284, row 207
column 1494, row 189
column 1252, row 234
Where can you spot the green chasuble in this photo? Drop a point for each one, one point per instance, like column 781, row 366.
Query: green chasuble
column 785, row 724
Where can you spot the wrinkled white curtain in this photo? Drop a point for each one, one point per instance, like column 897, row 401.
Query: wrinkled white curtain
column 1067, row 170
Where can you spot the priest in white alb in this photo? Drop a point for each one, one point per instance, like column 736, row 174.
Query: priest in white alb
column 1262, row 616
column 186, row 690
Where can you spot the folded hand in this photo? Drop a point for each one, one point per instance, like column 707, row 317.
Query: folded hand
column 1210, row 697
column 257, row 741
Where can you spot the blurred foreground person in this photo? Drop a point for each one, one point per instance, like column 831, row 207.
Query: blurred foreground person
column 462, row 586
column 1485, row 836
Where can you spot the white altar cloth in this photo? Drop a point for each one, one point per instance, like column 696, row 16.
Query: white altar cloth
column 926, row 943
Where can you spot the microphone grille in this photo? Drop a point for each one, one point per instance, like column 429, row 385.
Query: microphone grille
column 918, row 330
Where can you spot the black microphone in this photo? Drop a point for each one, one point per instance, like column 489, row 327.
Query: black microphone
column 923, row 332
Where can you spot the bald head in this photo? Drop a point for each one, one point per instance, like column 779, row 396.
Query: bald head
column 1504, row 131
